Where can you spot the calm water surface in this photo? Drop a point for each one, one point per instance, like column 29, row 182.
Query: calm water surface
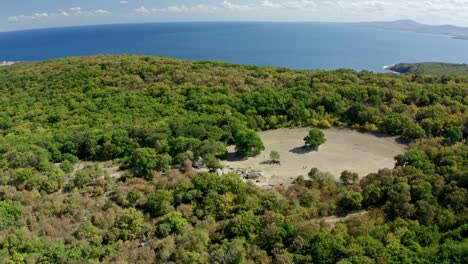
column 292, row 45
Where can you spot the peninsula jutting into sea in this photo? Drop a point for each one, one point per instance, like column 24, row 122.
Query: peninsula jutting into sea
column 433, row 68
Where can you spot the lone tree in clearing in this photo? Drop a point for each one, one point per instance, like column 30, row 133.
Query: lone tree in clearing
column 314, row 139
column 274, row 155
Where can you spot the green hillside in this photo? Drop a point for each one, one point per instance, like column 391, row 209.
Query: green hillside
column 156, row 115
column 434, row 68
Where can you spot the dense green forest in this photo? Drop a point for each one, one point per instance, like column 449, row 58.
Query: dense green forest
column 434, row 68
column 156, row 115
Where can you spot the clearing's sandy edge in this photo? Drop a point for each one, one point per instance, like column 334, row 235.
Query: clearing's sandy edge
column 344, row 150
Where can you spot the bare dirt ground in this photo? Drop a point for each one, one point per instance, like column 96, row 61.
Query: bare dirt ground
column 108, row 167
column 344, row 150
column 331, row 221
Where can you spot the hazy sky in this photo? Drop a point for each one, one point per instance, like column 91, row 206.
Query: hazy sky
column 25, row 14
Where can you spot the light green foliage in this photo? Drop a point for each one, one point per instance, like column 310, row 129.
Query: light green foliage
column 211, row 148
column 130, row 225
column 348, row 177
column 89, row 232
column 231, row 252
column 212, row 162
column 133, row 197
column 145, row 161
column 82, row 178
column 351, row 201
column 274, row 155
column 315, row 138
column 160, row 202
column 394, row 124
column 416, row 158
column 435, row 68
column 173, row 115
column 413, row 131
column 322, row 180
column 10, row 212
column 248, row 143
column 172, row 223
column 243, row 225
column 163, row 162
column 180, row 158
column 66, row 166
column 23, row 174
column 154, row 113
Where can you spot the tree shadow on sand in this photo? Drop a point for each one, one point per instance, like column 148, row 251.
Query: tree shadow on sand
column 270, row 162
column 302, row 150
column 232, row 157
column 399, row 140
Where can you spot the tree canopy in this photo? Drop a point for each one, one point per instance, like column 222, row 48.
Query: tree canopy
column 315, row 138
column 274, row 155
column 61, row 120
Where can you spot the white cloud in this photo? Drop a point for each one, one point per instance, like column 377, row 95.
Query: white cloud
column 13, row 19
column 269, row 3
column 176, row 9
column 40, row 15
column 200, row 8
column 427, row 11
column 233, row 6
column 195, row 8
column 21, row 18
column 74, row 11
column 303, row 4
column 143, row 10
column 101, row 12
column 78, row 11
column 189, row 8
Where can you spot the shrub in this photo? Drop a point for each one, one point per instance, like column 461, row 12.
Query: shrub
column 172, row 222
column 10, row 213
column 274, row 155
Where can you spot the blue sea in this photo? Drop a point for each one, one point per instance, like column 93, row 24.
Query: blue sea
column 291, row 45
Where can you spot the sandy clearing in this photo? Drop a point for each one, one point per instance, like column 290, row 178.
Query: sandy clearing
column 108, row 167
column 333, row 220
column 344, row 150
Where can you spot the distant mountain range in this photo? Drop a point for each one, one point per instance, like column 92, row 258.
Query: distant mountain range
column 413, row 26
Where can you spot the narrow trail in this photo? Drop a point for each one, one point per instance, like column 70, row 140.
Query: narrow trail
column 333, row 220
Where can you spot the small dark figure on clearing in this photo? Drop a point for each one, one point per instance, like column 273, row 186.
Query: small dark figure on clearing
column 276, row 162
column 275, row 156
